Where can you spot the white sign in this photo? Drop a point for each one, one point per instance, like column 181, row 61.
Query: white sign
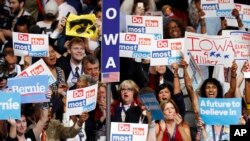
column 195, row 73
column 167, row 52
column 128, row 131
column 38, row 68
column 244, row 13
column 145, row 25
column 209, row 50
column 36, row 45
column 241, row 42
column 81, row 100
column 217, row 8
column 135, row 45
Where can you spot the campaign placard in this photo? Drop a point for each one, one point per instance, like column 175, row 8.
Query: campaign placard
column 81, row 26
column 195, row 73
column 110, row 64
column 145, row 25
column 167, row 52
column 38, row 68
column 241, row 43
column 220, row 111
column 128, row 131
column 36, row 45
column 136, row 45
column 244, row 14
column 217, row 8
column 151, row 103
column 33, row 89
column 81, row 100
column 10, row 105
column 209, row 50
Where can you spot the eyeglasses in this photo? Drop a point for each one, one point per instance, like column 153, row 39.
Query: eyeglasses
column 127, row 89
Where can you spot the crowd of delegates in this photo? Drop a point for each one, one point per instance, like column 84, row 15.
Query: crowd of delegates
column 75, row 63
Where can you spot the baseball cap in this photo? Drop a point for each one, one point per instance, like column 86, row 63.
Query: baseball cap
column 51, row 7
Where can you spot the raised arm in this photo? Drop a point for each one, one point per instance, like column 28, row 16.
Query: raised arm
column 177, row 87
column 202, row 22
column 178, row 96
column 231, row 92
column 42, row 121
column 236, row 14
column 188, row 83
column 240, row 79
column 12, row 131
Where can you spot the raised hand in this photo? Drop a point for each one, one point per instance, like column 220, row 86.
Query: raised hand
column 178, row 119
column 183, row 64
column 61, row 24
column 245, row 67
column 83, row 117
column 175, row 67
column 234, row 68
column 235, row 12
column 12, row 122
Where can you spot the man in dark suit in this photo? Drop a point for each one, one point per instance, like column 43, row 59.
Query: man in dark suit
column 72, row 66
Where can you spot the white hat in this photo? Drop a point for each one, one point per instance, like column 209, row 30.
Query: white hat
column 51, row 7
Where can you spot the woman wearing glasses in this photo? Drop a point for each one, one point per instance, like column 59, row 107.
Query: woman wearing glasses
column 128, row 90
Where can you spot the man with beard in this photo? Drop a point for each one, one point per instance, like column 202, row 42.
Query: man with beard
column 17, row 8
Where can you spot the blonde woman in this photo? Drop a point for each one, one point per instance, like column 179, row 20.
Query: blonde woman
column 128, row 90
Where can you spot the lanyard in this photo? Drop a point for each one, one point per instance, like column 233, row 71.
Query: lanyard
column 221, row 131
column 123, row 113
column 173, row 137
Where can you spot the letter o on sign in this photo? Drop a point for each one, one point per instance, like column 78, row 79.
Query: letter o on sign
column 113, row 15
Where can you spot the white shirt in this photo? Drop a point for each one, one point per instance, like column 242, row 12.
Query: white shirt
column 72, row 73
column 63, row 10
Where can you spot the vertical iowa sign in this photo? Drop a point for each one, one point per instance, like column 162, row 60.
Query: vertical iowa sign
column 110, row 41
